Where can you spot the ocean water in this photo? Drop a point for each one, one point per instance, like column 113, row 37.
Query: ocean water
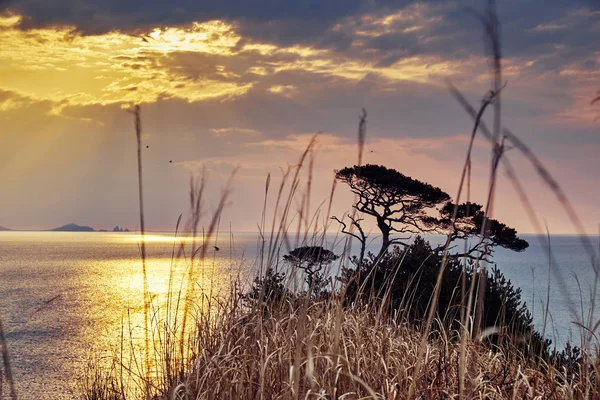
column 66, row 298
column 567, row 277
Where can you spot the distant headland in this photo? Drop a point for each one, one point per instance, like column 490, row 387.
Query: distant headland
column 4, row 229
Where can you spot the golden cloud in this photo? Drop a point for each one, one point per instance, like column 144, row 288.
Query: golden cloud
column 211, row 60
column 63, row 66
column 9, row 20
column 410, row 19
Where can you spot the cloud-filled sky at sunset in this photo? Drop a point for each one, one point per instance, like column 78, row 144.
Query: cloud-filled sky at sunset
column 247, row 83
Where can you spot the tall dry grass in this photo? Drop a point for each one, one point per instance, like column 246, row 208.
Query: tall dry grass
column 209, row 347
column 250, row 355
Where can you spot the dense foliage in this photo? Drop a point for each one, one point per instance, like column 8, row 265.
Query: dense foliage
column 267, row 290
column 404, row 279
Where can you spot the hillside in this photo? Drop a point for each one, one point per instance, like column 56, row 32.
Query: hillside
column 73, row 228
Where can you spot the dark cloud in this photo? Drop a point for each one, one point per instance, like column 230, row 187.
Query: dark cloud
column 557, row 30
column 554, row 31
column 93, row 16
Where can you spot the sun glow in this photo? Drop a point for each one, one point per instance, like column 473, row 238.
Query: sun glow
column 63, row 66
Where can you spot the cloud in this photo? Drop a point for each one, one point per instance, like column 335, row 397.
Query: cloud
column 62, row 66
column 386, row 25
column 550, row 27
column 10, row 101
column 235, row 131
column 101, row 17
column 196, row 62
column 378, row 45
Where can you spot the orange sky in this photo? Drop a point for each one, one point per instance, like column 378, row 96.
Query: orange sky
column 216, row 94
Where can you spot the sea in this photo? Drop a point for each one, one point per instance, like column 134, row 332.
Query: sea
column 70, row 299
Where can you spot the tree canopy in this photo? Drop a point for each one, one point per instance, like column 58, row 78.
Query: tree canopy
column 398, row 202
column 401, row 204
column 469, row 221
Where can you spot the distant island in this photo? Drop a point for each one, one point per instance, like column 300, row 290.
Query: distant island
column 117, row 229
column 73, row 228
column 4, row 229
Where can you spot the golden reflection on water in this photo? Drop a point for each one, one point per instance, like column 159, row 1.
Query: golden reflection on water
column 166, row 238
column 70, row 296
column 170, row 275
column 170, row 281
column 168, row 285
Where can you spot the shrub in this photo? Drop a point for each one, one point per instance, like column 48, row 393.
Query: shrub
column 267, row 290
column 403, row 280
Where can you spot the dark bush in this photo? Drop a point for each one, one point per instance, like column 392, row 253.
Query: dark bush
column 403, row 281
column 267, row 290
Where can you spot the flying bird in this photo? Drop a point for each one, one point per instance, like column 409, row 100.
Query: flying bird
column 216, row 248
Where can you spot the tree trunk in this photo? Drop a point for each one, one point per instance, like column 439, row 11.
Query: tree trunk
column 362, row 254
column 385, row 238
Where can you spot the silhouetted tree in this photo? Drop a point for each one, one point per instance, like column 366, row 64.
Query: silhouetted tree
column 469, row 222
column 312, row 260
column 401, row 204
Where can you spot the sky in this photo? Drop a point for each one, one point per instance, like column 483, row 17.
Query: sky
column 245, row 85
